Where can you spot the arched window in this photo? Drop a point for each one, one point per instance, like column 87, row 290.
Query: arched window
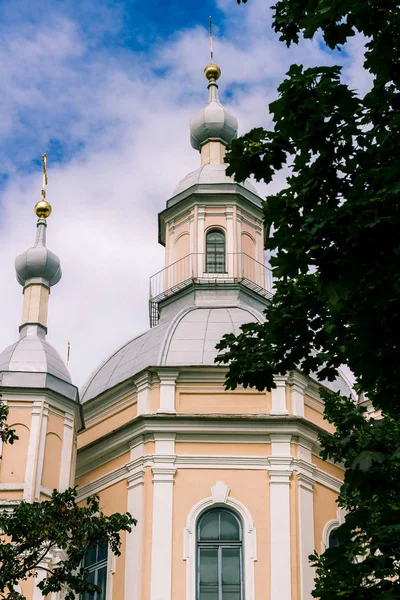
column 96, row 562
column 333, row 540
column 219, row 556
column 215, row 251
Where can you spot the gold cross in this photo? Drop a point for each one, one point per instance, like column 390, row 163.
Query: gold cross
column 44, row 163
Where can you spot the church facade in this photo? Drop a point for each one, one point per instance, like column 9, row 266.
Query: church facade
column 228, row 488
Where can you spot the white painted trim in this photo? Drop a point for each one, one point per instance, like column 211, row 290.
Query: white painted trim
column 330, row 526
column 278, row 396
column 200, row 239
column 249, row 539
column 29, row 491
column 229, row 240
column 306, row 534
column 110, row 574
column 66, row 456
column 143, row 386
column 167, row 390
column 133, row 546
column 41, row 451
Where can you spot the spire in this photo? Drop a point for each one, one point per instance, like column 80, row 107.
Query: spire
column 38, row 268
column 213, row 127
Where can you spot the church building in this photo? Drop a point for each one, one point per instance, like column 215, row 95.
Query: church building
column 228, row 488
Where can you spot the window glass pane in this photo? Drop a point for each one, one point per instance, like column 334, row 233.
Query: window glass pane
column 209, row 528
column 208, row 567
column 101, row 552
column 90, row 556
column 333, row 541
column 231, row 567
column 91, row 579
column 229, row 527
column 231, row 595
column 101, row 582
column 206, row 594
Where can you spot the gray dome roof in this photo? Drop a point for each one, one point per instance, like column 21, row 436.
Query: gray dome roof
column 38, row 264
column 187, row 339
column 210, row 174
column 212, row 122
column 33, row 354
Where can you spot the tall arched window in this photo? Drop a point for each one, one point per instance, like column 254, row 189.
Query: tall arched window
column 215, row 251
column 219, row 556
column 96, row 562
column 333, row 540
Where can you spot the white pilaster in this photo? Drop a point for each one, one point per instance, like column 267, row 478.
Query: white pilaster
column 163, row 481
column 278, row 396
column 306, row 530
column 30, row 469
column 41, row 575
column 143, row 386
column 67, row 449
column 41, row 450
column 298, row 386
column 229, row 240
column 280, row 471
column 167, row 391
column 200, row 239
column 133, row 547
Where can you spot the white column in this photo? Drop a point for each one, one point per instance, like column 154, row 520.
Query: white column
column 67, row 448
column 229, row 240
column 133, row 547
column 280, row 471
column 41, row 450
column 306, row 530
column 41, row 575
column 167, row 391
column 143, row 386
column 30, row 469
column 278, row 396
column 200, row 239
column 161, row 550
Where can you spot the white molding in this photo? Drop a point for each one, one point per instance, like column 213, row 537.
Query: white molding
column 14, row 486
column 298, row 385
column 330, row 526
column 306, row 533
column 41, row 451
column 249, row 541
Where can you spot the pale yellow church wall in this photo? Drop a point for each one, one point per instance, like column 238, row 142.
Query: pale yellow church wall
column 248, row 487
column 52, row 461
column 27, row 587
column 181, row 246
column 149, row 447
column 216, row 402
column 249, row 244
column 327, row 467
column 13, row 461
column 155, row 399
column 315, row 416
column 108, row 423
column 325, row 509
column 147, row 534
column 212, row 221
column 222, row 449
column 108, row 467
column 11, row 494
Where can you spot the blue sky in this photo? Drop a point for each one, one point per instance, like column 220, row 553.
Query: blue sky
column 107, row 89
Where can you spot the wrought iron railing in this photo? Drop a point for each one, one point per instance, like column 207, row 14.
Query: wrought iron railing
column 193, row 268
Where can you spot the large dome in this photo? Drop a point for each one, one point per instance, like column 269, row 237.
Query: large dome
column 210, row 174
column 187, row 339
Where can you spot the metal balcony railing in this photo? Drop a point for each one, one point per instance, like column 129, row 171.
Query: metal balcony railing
column 193, row 269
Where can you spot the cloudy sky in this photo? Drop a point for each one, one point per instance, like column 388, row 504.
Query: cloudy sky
column 107, row 89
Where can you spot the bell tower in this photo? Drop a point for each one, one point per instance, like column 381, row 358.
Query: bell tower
column 43, row 403
column 212, row 226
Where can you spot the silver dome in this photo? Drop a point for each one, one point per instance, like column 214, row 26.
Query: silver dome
column 212, row 122
column 38, row 264
column 210, row 174
column 189, row 338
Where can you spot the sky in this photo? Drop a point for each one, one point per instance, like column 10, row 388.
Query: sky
column 107, row 88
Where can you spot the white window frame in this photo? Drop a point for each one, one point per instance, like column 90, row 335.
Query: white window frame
column 220, row 499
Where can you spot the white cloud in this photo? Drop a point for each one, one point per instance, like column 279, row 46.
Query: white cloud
column 128, row 117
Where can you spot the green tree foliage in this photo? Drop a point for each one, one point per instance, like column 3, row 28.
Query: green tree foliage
column 34, row 532
column 334, row 237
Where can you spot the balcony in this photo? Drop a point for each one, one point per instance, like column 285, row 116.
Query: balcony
column 191, row 269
